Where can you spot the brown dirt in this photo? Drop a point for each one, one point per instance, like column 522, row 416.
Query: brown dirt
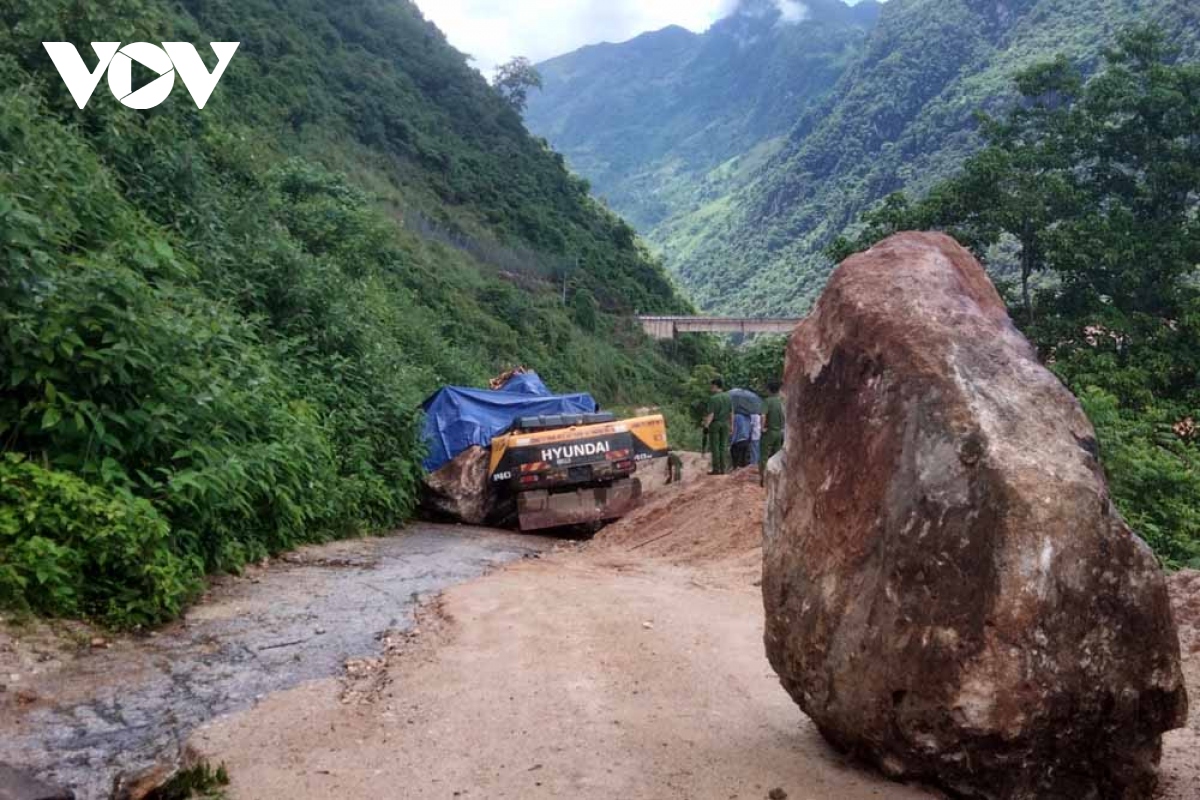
column 1181, row 756
column 627, row 670
column 654, row 474
column 633, row 668
column 630, row 668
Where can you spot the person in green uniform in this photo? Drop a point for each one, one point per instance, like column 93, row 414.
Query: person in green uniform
column 718, row 423
column 772, row 441
column 674, row 467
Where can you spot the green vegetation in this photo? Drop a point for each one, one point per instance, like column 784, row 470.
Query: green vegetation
column 201, row 781
column 751, row 365
column 514, row 80
column 672, row 120
column 216, row 325
column 742, row 211
column 1097, row 185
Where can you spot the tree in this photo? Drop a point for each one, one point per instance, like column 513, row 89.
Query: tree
column 1099, row 183
column 585, row 310
column 1020, row 184
column 513, row 80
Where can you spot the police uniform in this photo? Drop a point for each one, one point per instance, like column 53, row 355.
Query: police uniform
column 772, row 441
column 720, row 405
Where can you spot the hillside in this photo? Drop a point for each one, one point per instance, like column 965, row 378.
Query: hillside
column 748, row 234
column 647, row 121
column 217, row 325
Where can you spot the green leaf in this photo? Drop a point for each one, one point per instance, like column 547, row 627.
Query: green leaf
column 51, row 418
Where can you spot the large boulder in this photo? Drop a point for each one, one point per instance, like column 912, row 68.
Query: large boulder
column 460, row 490
column 949, row 591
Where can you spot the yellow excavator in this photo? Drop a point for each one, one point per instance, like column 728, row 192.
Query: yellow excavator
column 576, row 469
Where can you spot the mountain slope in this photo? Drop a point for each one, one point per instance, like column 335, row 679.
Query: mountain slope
column 216, row 326
column 646, row 120
column 900, row 116
column 902, row 119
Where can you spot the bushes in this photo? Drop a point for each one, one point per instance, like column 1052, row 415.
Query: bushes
column 70, row 548
column 1153, row 475
column 204, row 323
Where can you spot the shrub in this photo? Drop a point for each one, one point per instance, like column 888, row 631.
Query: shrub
column 68, row 548
column 1153, row 476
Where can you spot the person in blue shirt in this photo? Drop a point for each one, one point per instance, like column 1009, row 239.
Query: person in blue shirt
column 742, row 429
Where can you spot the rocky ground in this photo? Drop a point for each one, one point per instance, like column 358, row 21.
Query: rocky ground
column 629, row 667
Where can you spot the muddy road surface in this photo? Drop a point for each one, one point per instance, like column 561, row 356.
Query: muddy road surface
column 90, row 717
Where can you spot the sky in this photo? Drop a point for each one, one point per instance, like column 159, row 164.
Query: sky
column 494, row 31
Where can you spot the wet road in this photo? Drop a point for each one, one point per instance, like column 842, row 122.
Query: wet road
column 100, row 715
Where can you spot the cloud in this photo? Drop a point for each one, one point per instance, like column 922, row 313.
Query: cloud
column 492, row 31
column 791, row 11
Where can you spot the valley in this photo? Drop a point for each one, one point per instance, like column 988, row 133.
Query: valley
column 740, row 193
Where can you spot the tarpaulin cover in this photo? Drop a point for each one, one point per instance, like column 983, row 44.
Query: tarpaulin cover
column 457, row 418
column 526, row 383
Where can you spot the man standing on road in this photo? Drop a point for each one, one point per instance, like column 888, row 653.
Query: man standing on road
column 739, row 447
column 718, row 423
column 772, row 441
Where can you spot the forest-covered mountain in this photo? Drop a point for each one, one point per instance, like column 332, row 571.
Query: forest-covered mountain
column 647, row 120
column 216, row 326
column 747, row 235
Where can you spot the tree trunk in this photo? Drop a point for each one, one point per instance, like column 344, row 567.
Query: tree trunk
column 1026, row 273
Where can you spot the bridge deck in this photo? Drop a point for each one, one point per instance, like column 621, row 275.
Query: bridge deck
column 670, row 327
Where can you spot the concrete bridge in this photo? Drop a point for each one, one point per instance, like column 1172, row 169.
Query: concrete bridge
column 671, row 327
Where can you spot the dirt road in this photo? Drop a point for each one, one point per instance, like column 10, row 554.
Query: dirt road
column 582, row 677
column 632, row 667
column 90, row 718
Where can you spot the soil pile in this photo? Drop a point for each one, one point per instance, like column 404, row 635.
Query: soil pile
column 711, row 519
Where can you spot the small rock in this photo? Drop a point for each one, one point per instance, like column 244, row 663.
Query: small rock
column 777, row 794
column 145, row 783
column 27, row 697
column 320, row 631
column 648, row 626
column 99, row 643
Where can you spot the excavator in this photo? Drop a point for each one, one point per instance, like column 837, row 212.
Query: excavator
column 574, row 469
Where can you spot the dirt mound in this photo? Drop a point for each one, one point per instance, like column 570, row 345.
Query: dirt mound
column 714, row 518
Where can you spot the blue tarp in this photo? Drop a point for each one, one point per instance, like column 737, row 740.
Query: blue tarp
column 457, row 418
column 527, row 383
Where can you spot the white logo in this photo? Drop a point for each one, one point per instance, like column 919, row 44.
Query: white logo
column 575, row 451
column 164, row 61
